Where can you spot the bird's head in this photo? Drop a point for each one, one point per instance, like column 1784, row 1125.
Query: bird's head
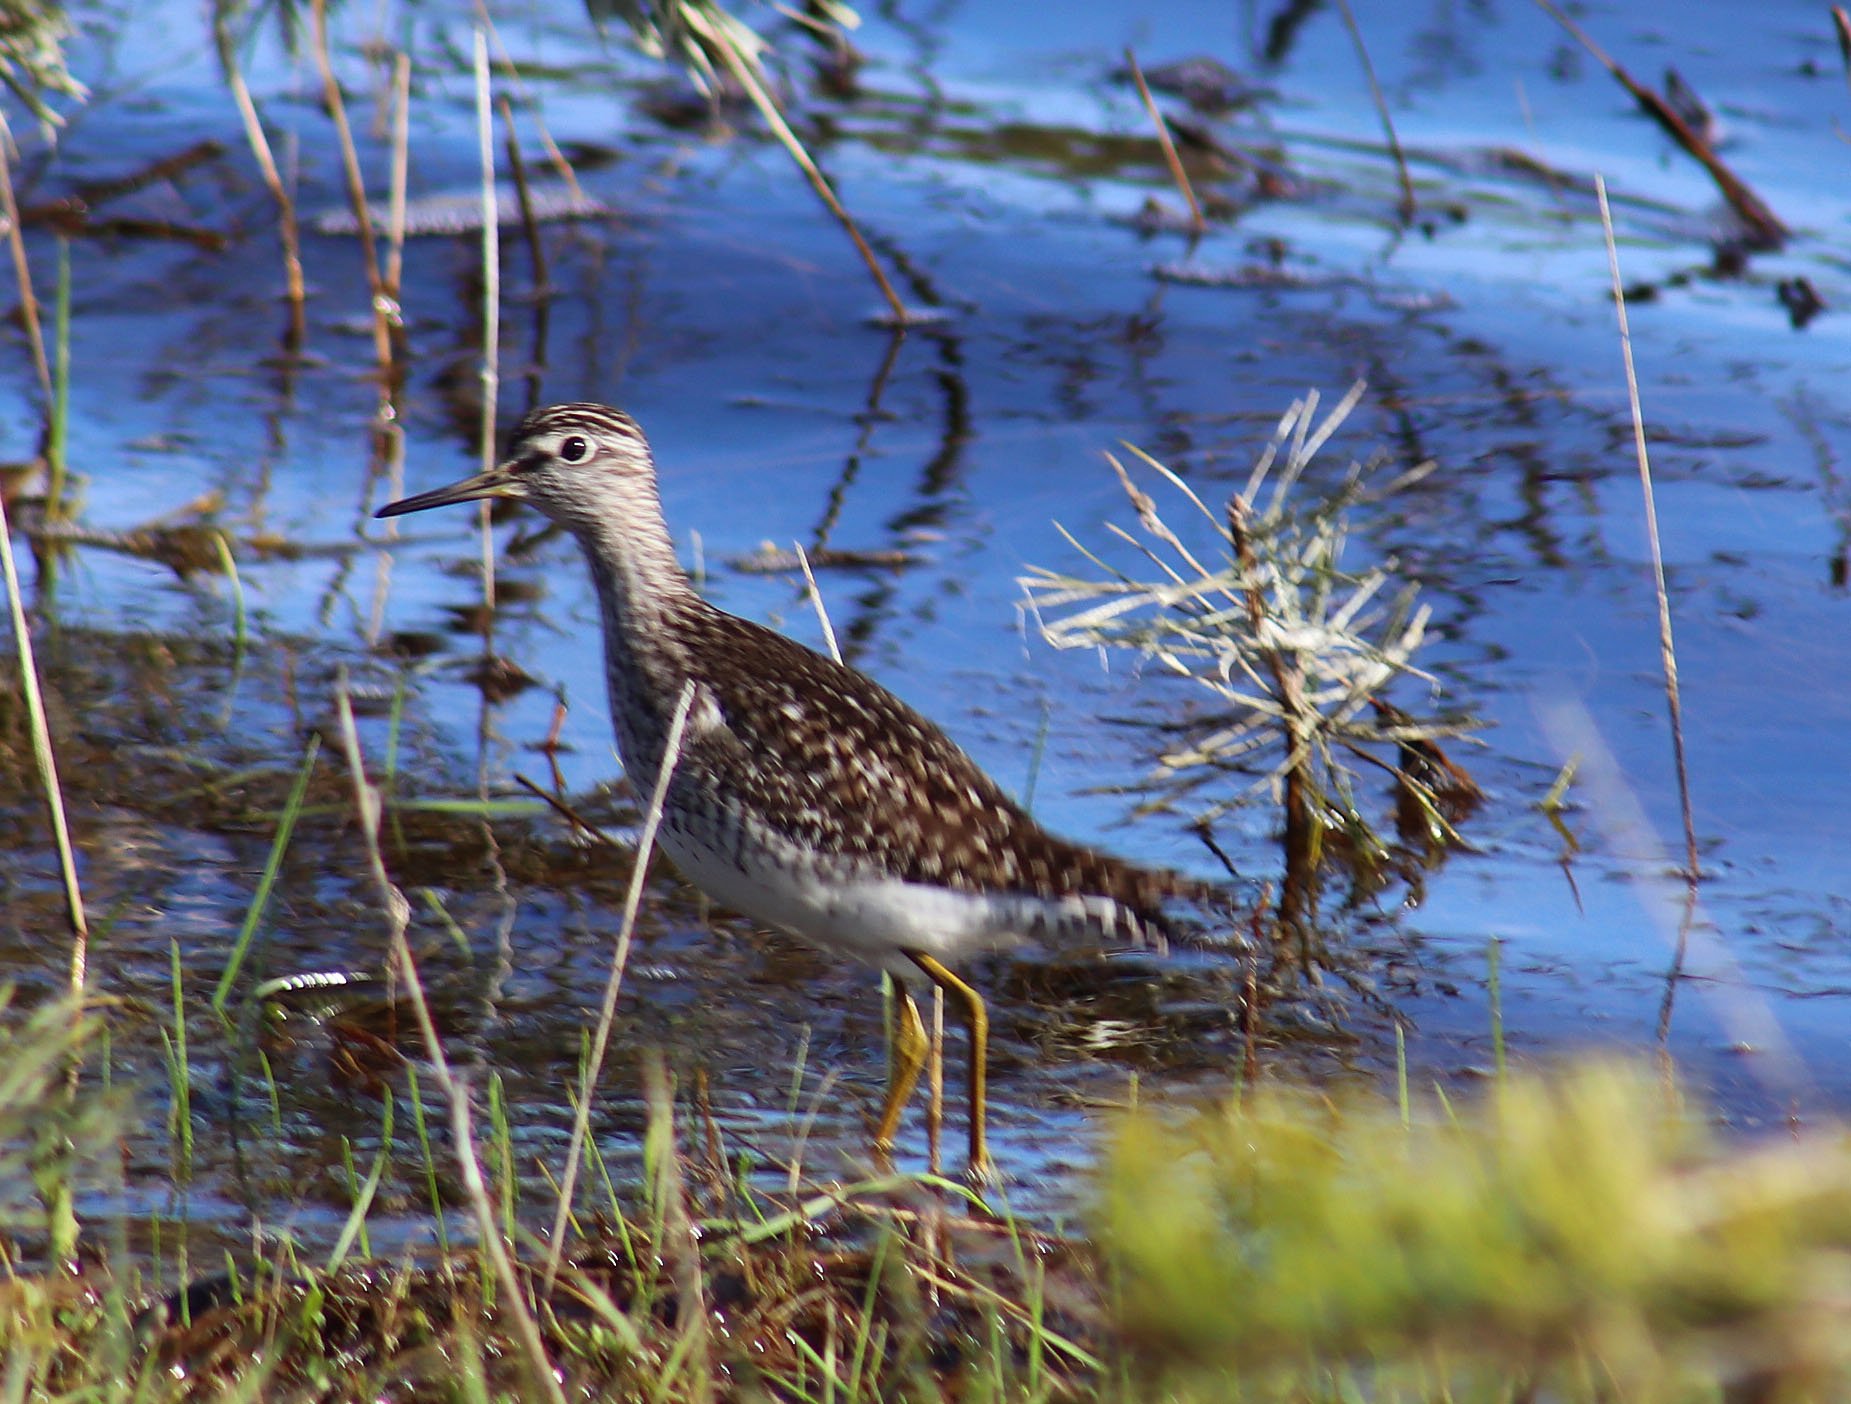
column 577, row 463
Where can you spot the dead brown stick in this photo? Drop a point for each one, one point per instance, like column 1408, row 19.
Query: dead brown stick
column 1841, row 24
column 1297, row 894
column 1407, row 206
column 1177, row 173
column 1765, row 228
column 721, row 44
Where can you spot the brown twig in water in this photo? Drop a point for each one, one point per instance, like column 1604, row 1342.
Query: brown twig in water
column 1841, row 25
column 1177, row 173
column 530, row 224
column 1764, row 226
column 1299, row 888
column 1407, row 207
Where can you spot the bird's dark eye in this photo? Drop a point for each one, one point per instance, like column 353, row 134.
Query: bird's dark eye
column 573, row 448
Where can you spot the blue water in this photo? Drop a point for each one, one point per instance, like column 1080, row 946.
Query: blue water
column 724, row 309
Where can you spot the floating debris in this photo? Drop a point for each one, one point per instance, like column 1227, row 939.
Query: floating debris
column 460, row 212
column 772, row 560
column 1206, row 84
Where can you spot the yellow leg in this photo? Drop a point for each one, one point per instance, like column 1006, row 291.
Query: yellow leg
column 905, row 1057
column 979, row 1020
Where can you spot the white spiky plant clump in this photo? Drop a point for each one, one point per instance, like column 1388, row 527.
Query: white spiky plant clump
column 1293, row 647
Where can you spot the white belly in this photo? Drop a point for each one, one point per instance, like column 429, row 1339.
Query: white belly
column 864, row 914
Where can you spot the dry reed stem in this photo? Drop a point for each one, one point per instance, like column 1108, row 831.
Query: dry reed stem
column 620, row 959
column 401, row 173
column 1407, row 206
column 383, row 310
column 288, row 231
column 1667, row 649
column 723, row 45
column 1177, row 173
column 491, row 300
column 367, row 806
column 22, row 268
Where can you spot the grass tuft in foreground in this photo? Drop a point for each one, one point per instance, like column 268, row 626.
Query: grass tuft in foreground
column 1572, row 1237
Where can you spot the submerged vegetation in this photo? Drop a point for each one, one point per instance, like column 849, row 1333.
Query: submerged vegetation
column 1296, row 652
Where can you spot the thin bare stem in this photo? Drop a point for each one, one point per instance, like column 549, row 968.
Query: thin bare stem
column 16, row 239
column 555, row 157
column 530, row 223
column 383, row 308
column 728, row 51
column 1407, row 206
column 1666, row 648
column 401, row 171
column 491, row 298
column 607, row 1013
column 398, row 916
column 287, row 230
column 1177, row 173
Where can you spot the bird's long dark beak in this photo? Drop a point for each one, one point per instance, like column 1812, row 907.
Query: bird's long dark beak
column 499, row 481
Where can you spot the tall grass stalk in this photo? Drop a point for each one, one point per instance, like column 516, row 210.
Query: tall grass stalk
column 501, row 1137
column 1494, row 988
column 266, row 882
column 427, row 1159
column 240, row 620
column 354, row 1229
column 180, row 1069
column 1197, row 224
column 46, row 760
